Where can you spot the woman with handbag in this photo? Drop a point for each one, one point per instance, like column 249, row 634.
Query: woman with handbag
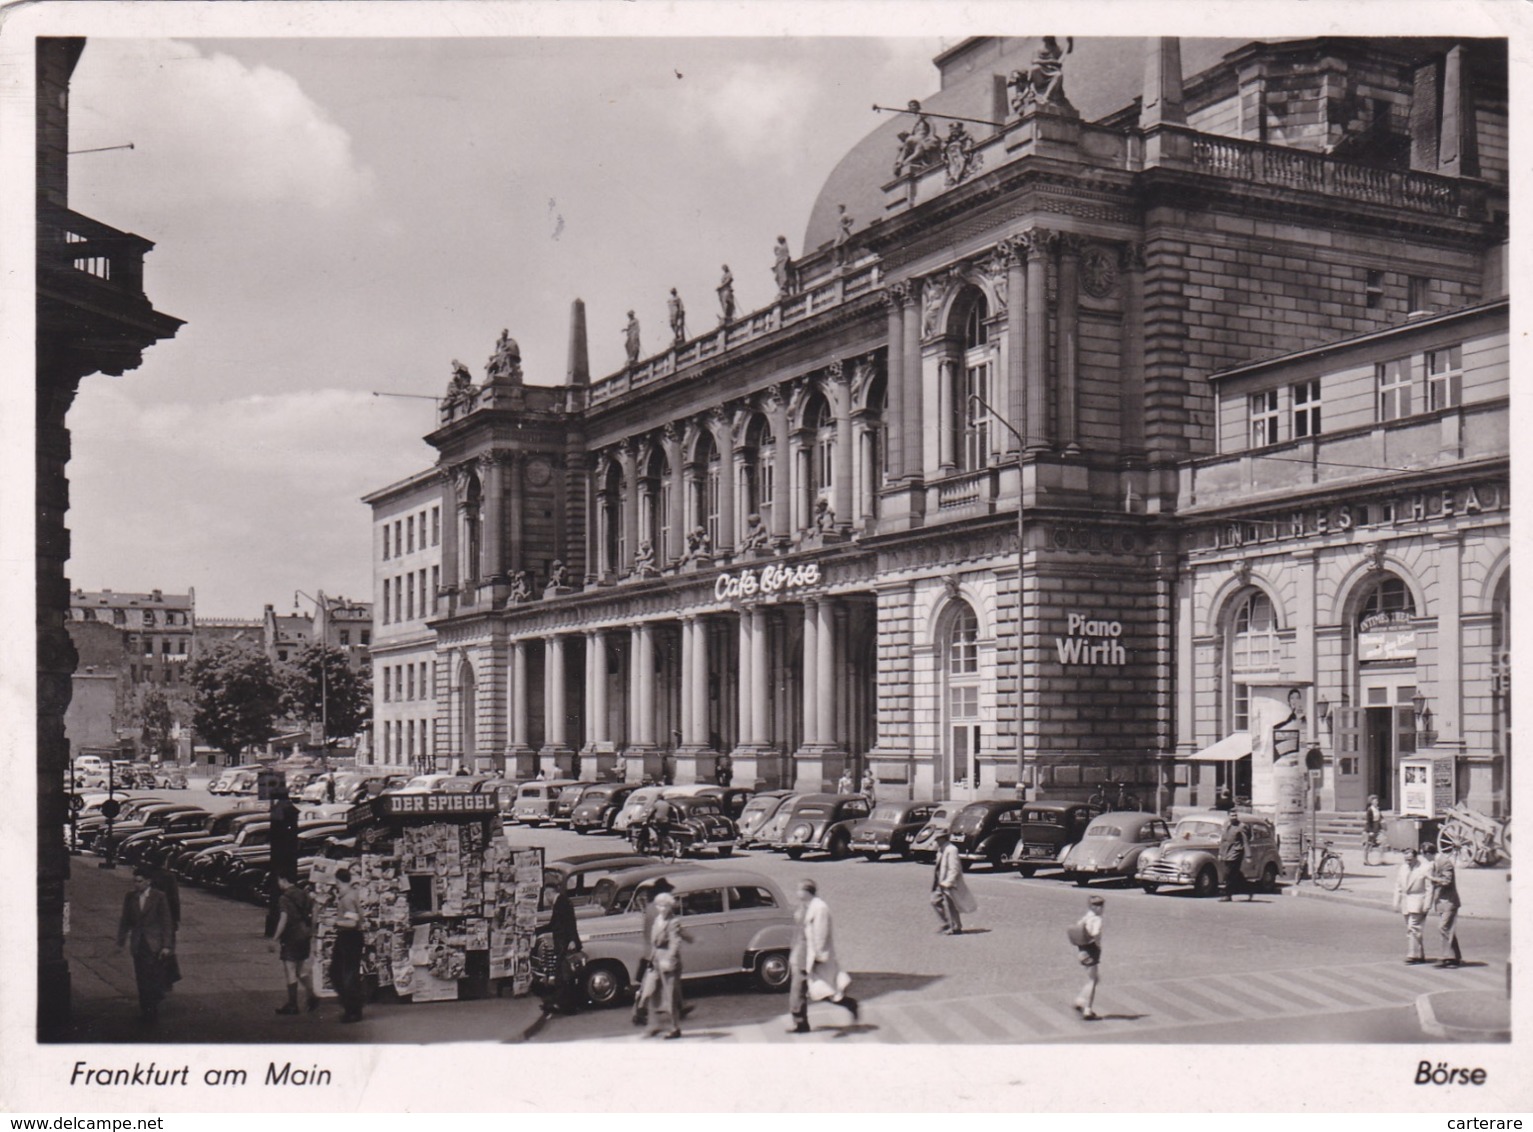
column 565, row 934
column 666, row 938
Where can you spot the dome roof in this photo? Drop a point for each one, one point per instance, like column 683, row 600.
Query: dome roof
column 1101, row 76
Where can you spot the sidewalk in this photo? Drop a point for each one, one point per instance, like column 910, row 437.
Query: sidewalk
column 1486, row 893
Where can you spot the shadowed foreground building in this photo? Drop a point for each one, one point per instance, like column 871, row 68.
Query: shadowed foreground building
column 1164, row 331
column 92, row 317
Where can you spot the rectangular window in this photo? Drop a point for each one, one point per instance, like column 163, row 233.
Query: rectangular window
column 367, row 636
column 410, row 739
column 1445, row 377
column 399, row 542
column 410, row 534
column 436, row 526
column 436, row 585
column 385, row 542
column 1264, row 418
column 1394, row 381
column 409, row 602
column 386, row 601
column 1241, row 716
column 399, row 681
column 386, row 684
column 119, row 617
column 1306, row 409
column 1373, row 290
column 410, row 682
column 976, row 417
column 423, row 591
column 345, row 637
column 1418, row 297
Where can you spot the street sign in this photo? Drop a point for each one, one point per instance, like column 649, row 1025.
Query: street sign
column 111, row 808
column 76, row 803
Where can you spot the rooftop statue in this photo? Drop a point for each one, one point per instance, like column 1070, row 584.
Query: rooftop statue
column 631, row 338
column 678, row 315
column 521, row 587
column 843, row 236
column 460, row 387
column 506, row 362
column 644, row 560
column 756, row 535
column 919, row 146
column 726, row 293
column 1043, row 84
column 824, row 516
column 782, row 267
column 558, row 576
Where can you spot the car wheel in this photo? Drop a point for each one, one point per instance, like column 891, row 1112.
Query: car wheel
column 582, row 830
column 997, row 860
column 726, row 850
column 1149, row 886
column 839, row 847
column 873, row 857
column 1270, row 878
column 604, row 983
column 795, row 853
column 965, row 866
column 1026, row 870
column 1081, row 879
column 1206, row 883
column 772, row 973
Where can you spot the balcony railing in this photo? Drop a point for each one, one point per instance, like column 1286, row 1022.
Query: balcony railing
column 965, row 491
column 69, row 241
column 784, row 312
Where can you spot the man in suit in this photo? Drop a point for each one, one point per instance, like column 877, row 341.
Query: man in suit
column 1445, row 900
column 146, row 922
column 1413, row 892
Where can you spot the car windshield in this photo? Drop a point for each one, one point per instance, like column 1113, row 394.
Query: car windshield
column 704, row 809
column 888, row 813
column 1104, row 831
column 1193, row 829
column 812, row 811
column 759, row 806
column 600, row 794
column 1042, row 817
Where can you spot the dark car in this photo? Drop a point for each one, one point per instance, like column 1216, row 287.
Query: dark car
column 249, row 874
column 174, row 848
column 152, row 819
column 598, row 806
column 823, row 822
column 987, row 831
column 732, row 799
column 698, row 824
column 134, row 848
column 758, row 812
column 1049, row 829
column 566, row 800
column 1112, row 845
column 580, row 874
column 890, row 828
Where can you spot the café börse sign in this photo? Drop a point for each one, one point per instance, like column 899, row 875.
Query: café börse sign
column 766, row 582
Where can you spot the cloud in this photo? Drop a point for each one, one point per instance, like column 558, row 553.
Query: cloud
column 203, row 126
column 245, row 498
column 759, row 111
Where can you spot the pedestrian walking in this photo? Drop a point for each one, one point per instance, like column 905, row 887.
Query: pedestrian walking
column 649, row 978
column 844, row 784
column 870, row 786
column 1413, row 894
column 346, row 951
column 1373, row 826
column 666, row 938
column 292, row 939
column 950, row 895
column 1086, row 934
column 1232, row 851
column 146, row 925
column 330, row 788
column 563, row 935
column 823, row 977
column 1445, row 899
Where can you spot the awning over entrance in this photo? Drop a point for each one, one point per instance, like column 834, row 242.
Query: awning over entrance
column 1236, row 745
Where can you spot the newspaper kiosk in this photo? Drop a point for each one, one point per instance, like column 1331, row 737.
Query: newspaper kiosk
column 448, row 906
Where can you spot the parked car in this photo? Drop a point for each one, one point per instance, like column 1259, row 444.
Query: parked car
column 581, row 874
column 535, row 800
column 1191, row 855
column 757, row 812
column 824, row 822
column 170, row 778
column 1112, row 844
column 923, row 846
column 134, row 847
column 890, row 828
column 151, row 818
column 770, row 833
column 987, row 831
column 247, row 876
column 698, row 824
column 1049, row 829
column 732, row 799
column 740, row 923
column 168, row 844
column 636, row 809
column 565, row 802
column 620, row 892
column 598, row 807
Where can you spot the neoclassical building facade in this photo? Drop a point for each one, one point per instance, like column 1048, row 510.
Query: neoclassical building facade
column 944, row 508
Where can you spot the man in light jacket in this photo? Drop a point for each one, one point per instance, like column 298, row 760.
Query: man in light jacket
column 950, row 895
column 1413, row 895
column 1445, row 900
column 823, row 976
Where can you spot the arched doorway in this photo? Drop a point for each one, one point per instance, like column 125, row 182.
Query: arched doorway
column 1384, row 635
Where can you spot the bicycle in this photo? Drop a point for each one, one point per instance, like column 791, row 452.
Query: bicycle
column 1328, row 872
column 1121, row 799
column 659, row 843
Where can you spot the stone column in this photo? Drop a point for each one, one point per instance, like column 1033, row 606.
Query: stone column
column 597, row 708
column 514, row 556
column 492, row 521
column 556, row 746
column 947, row 416
column 593, row 533
column 825, row 667
column 1447, row 694
column 598, row 552
column 724, row 441
column 1457, row 149
column 840, row 385
column 642, row 755
column 696, row 761
column 782, row 467
column 1039, row 241
column 1016, row 347
column 914, row 437
column 688, row 738
column 676, row 513
column 628, row 457
column 1069, row 345
column 811, row 670
column 519, row 754
column 760, row 690
column 894, row 303
column 747, row 716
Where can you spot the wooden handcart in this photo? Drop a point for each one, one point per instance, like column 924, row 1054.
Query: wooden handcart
column 1473, row 838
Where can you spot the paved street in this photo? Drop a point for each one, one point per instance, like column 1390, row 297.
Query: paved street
column 1279, row 968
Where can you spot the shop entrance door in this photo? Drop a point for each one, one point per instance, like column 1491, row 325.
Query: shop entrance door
column 1389, row 731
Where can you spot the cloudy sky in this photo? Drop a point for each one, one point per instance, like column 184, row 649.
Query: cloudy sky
column 335, row 217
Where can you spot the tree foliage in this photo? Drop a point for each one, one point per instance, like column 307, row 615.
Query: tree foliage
column 156, row 721
column 343, row 698
column 237, row 697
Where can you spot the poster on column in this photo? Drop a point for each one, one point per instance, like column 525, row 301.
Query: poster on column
column 1277, row 721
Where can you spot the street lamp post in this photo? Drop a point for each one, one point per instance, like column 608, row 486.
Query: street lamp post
column 975, row 398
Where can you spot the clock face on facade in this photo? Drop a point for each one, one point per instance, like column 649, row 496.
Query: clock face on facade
column 537, row 472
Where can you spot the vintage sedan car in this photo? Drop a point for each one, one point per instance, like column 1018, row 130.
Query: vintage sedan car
column 698, row 824
column 581, row 874
column 823, row 822
column 1191, row 855
column 757, row 812
column 134, row 847
column 923, row 846
column 987, row 831
column 566, row 801
column 598, row 807
column 890, row 828
column 740, row 923
column 1049, row 829
column 636, row 809
column 732, row 799
column 1112, row 844
column 535, row 800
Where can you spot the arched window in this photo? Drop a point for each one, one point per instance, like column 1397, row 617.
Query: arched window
column 706, row 487
column 614, row 545
column 820, row 440
column 961, row 676
column 976, row 388
column 657, row 506
column 1253, row 648
column 471, row 541
column 760, row 448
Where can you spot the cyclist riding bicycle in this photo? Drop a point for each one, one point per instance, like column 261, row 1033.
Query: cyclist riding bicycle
column 657, row 826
